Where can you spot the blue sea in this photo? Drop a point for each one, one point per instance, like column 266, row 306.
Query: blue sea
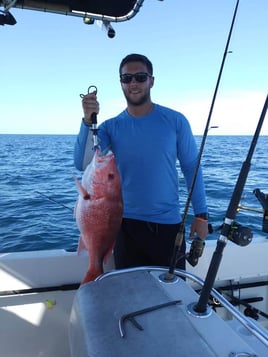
column 38, row 192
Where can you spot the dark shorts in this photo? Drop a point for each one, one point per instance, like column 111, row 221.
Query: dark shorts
column 141, row 243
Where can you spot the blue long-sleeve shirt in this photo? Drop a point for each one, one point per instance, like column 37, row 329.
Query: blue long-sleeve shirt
column 147, row 150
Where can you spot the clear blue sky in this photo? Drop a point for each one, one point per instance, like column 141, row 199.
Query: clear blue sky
column 47, row 60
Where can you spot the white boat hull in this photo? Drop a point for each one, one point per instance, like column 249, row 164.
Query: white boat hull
column 38, row 289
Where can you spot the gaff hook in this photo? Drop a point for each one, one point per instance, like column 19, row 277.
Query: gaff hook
column 91, row 89
column 93, row 118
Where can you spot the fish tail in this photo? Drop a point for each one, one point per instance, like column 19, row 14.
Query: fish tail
column 91, row 275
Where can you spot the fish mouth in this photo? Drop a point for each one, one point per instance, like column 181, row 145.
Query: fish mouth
column 104, row 154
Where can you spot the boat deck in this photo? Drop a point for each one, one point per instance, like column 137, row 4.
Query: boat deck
column 38, row 288
column 35, row 324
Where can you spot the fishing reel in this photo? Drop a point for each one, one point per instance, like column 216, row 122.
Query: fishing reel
column 236, row 233
column 239, row 234
column 196, row 251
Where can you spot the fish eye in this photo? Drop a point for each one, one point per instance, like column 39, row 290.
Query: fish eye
column 110, row 176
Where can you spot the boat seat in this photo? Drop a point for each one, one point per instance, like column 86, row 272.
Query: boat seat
column 98, row 307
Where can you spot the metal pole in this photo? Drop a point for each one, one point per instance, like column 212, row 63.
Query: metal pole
column 201, row 306
column 180, row 234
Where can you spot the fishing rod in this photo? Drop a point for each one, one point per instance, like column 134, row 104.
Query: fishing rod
column 198, row 243
column 227, row 228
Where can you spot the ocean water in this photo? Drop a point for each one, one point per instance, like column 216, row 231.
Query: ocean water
column 38, row 193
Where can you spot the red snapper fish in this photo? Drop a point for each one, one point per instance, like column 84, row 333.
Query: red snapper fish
column 98, row 211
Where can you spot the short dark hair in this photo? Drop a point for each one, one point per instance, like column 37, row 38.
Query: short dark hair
column 135, row 57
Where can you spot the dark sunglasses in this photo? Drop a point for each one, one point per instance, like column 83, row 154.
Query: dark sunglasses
column 139, row 77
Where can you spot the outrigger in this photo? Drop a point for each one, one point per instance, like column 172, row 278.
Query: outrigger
column 101, row 12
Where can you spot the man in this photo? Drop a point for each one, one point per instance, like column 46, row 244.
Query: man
column 147, row 140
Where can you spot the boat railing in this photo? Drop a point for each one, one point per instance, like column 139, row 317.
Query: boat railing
column 254, row 329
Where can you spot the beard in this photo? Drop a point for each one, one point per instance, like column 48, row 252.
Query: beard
column 139, row 101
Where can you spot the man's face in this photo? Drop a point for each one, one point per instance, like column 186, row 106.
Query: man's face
column 136, row 92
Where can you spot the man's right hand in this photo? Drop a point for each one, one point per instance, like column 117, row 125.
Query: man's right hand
column 90, row 105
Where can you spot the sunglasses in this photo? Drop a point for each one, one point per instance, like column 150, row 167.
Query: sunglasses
column 139, row 77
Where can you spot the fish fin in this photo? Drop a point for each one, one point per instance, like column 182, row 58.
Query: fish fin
column 82, row 191
column 108, row 254
column 81, row 245
column 75, row 206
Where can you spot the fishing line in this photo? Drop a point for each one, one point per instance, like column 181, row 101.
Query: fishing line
column 91, row 89
column 52, row 200
column 179, row 237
